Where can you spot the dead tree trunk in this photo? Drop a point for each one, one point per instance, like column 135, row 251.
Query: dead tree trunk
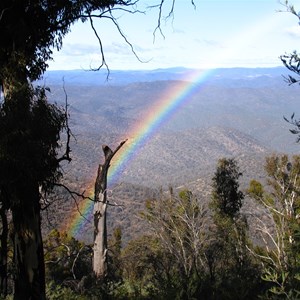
column 100, row 207
column 3, row 251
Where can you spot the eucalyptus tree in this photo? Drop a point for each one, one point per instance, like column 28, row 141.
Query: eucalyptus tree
column 29, row 141
column 281, row 255
column 179, row 223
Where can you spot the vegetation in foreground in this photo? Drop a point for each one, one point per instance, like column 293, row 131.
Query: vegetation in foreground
column 191, row 251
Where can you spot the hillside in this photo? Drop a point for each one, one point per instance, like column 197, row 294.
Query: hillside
column 182, row 160
column 237, row 113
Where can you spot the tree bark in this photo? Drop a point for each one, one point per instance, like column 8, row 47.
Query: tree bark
column 100, row 208
column 28, row 245
column 3, row 252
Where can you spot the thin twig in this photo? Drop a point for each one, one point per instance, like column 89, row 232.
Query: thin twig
column 103, row 61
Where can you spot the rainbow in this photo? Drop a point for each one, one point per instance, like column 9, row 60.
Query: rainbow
column 170, row 102
column 80, row 215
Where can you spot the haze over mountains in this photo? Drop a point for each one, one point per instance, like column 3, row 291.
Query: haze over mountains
column 232, row 113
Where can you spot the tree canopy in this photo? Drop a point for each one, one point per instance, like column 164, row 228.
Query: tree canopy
column 226, row 194
column 31, row 29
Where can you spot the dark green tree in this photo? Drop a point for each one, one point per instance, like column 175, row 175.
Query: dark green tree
column 31, row 29
column 234, row 274
column 227, row 198
column 30, row 127
column 29, row 141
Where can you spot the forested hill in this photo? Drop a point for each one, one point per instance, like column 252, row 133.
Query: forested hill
column 252, row 101
column 236, row 113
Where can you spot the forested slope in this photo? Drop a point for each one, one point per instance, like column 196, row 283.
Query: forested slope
column 237, row 113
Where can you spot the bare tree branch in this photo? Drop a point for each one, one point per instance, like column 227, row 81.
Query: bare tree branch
column 124, row 37
column 3, row 11
column 66, row 155
column 170, row 14
column 76, row 258
column 103, row 61
column 108, row 14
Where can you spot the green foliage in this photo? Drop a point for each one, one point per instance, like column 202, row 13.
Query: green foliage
column 58, row 292
column 236, row 274
column 281, row 257
column 185, row 258
column 65, row 258
column 30, row 130
column 114, row 255
column 29, row 140
column 177, row 223
column 29, row 31
column 229, row 260
column 255, row 189
column 227, row 199
column 139, row 259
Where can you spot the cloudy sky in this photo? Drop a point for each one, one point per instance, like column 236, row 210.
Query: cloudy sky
column 217, row 33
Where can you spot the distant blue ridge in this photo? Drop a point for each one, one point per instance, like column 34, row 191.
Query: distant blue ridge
column 221, row 76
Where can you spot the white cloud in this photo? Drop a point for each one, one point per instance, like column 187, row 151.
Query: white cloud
column 79, row 49
column 213, row 43
column 293, row 31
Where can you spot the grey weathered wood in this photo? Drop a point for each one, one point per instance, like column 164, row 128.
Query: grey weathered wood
column 100, row 208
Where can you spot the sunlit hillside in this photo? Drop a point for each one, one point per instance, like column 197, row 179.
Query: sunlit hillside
column 234, row 113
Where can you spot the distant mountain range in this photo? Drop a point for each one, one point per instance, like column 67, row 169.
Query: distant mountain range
column 253, row 101
column 222, row 76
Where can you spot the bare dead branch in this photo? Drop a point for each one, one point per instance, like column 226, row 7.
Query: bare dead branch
column 170, row 14
column 76, row 258
column 66, row 155
column 113, row 9
column 108, row 14
column 53, row 261
column 158, row 26
column 103, row 61
column 114, row 20
column 3, row 11
column 74, row 196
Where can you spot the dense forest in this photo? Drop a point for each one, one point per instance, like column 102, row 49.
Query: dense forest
column 188, row 249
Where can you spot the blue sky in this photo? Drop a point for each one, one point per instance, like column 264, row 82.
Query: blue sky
column 238, row 33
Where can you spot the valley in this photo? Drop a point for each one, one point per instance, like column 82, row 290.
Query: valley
column 235, row 113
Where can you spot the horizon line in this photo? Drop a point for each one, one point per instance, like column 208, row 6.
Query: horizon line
column 158, row 69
